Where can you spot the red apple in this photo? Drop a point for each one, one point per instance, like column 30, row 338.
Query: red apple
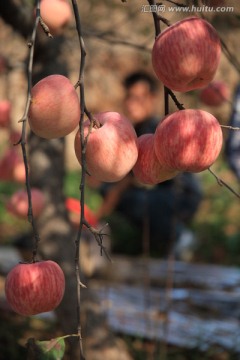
column 148, row 170
column 5, row 112
column 73, row 206
column 215, row 94
column 111, row 150
column 185, row 56
column 35, row 288
column 55, row 110
column 10, row 164
column 19, row 173
column 18, row 203
column 14, row 136
column 188, row 140
column 56, row 14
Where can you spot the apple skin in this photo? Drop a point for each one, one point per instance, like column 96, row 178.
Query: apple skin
column 14, row 136
column 19, row 173
column 56, row 14
column 215, row 94
column 12, row 166
column 35, row 288
column 188, row 140
column 55, row 110
column 18, row 203
column 148, row 170
column 74, row 208
column 5, row 113
column 111, row 150
column 186, row 55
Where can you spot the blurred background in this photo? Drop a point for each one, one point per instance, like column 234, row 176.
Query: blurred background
column 118, row 37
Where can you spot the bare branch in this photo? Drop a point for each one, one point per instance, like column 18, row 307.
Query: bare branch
column 174, row 98
column 22, row 140
column 80, row 83
column 230, row 127
column 223, row 183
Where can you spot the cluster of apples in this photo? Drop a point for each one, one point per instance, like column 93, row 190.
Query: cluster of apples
column 185, row 57
column 54, row 112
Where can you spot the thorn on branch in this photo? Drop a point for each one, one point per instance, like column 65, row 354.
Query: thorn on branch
column 230, row 127
column 45, row 28
column 82, row 285
column 174, row 98
column 223, row 183
column 98, row 235
column 163, row 19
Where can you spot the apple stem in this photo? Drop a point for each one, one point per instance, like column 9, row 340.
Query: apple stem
column 166, row 101
column 175, row 100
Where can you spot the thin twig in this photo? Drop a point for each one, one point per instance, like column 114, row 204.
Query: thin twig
column 22, row 140
column 82, row 184
column 223, row 183
column 175, row 100
column 166, row 101
column 156, row 19
column 230, row 127
column 45, row 28
column 98, row 235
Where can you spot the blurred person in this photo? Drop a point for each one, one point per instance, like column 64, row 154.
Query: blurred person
column 142, row 217
column 232, row 148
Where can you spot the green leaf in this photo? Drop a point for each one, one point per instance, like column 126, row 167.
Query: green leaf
column 52, row 350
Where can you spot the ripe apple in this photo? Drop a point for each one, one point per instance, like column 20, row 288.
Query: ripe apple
column 14, row 136
column 148, row 170
column 19, row 173
column 11, row 166
column 188, row 140
column 55, row 110
column 35, row 288
column 215, row 94
column 18, row 202
column 5, row 112
column 111, row 150
column 185, row 56
column 73, row 206
column 56, row 14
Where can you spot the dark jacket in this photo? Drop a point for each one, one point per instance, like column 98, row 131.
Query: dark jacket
column 232, row 147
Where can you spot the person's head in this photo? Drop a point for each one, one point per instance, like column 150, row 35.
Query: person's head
column 141, row 89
